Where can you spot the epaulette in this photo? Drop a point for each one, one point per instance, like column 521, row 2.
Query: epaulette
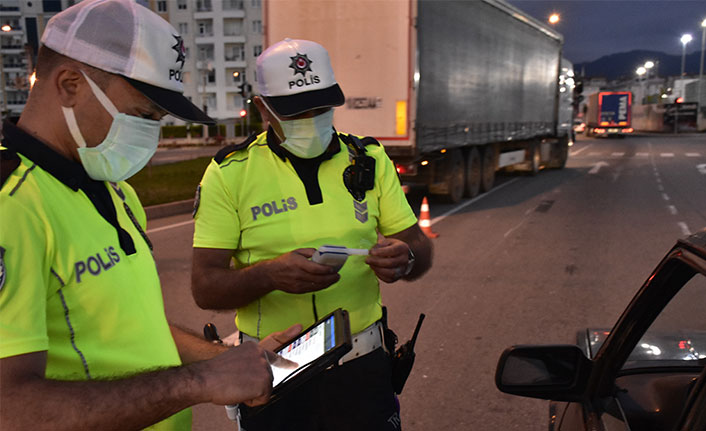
column 9, row 161
column 369, row 140
column 356, row 144
column 226, row 151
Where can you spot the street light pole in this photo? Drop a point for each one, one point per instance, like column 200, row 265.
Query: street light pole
column 685, row 39
column 701, row 73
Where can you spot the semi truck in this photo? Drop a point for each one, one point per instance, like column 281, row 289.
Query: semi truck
column 454, row 90
column 609, row 113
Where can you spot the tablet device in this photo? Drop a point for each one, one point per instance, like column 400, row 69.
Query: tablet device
column 317, row 348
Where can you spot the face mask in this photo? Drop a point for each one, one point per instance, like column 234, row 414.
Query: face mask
column 130, row 144
column 307, row 137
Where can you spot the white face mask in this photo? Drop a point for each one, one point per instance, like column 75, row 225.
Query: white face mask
column 130, row 144
column 307, row 137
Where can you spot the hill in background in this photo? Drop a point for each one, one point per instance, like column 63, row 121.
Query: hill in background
column 623, row 65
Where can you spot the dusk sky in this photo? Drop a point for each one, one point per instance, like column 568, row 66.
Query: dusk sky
column 594, row 28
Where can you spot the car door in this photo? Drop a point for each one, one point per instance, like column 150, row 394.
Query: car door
column 645, row 370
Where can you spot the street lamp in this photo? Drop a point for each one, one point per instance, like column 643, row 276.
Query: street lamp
column 640, row 72
column 554, row 18
column 685, row 39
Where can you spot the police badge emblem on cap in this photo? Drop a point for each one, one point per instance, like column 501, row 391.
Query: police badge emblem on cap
column 3, row 273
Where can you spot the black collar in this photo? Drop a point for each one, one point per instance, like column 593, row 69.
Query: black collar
column 274, row 144
column 69, row 172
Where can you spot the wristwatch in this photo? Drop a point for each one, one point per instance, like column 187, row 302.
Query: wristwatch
column 410, row 263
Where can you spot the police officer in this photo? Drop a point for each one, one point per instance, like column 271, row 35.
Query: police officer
column 269, row 202
column 84, row 341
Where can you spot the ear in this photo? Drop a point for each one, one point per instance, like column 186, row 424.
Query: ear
column 68, row 84
column 260, row 105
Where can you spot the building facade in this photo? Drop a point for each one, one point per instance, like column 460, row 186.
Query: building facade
column 222, row 39
column 22, row 23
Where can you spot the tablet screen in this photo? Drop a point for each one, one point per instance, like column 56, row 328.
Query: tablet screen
column 307, row 348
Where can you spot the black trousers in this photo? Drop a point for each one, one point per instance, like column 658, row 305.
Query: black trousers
column 355, row 396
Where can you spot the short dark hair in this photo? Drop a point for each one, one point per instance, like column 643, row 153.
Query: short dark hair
column 48, row 60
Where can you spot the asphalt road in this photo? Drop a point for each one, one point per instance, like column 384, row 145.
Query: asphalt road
column 533, row 261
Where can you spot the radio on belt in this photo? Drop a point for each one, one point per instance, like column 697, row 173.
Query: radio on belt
column 336, row 255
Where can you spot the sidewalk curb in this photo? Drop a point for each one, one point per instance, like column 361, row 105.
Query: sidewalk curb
column 169, row 209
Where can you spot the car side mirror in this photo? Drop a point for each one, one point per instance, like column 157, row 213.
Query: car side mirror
column 556, row 372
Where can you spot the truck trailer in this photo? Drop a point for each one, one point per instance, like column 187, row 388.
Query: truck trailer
column 454, row 90
column 609, row 113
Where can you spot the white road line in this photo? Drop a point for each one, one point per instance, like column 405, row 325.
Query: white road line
column 665, row 196
column 618, row 154
column 169, row 226
column 659, row 180
column 666, row 154
column 672, row 209
column 573, row 153
column 465, row 204
column 642, row 154
column 684, row 228
column 693, row 154
column 660, row 187
column 594, row 154
column 597, row 167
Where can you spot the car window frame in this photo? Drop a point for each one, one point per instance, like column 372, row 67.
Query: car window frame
column 684, row 261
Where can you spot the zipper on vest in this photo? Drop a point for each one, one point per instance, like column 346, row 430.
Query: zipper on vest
column 313, row 305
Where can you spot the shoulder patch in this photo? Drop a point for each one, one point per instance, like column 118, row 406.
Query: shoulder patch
column 9, row 161
column 226, row 151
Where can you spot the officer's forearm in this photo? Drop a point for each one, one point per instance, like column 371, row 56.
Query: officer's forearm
column 133, row 403
column 217, row 288
column 193, row 348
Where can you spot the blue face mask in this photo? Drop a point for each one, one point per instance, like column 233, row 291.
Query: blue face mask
column 130, row 144
column 307, row 137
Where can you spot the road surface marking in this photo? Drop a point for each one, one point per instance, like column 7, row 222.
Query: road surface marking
column 666, row 154
column 597, row 167
column 660, row 187
column 169, row 226
column 672, row 209
column 573, row 153
column 684, row 228
column 702, row 168
column 665, row 196
column 659, row 180
column 642, row 154
column 618, row 154
column 594, row 154
column 693, row 154
column 465, row 204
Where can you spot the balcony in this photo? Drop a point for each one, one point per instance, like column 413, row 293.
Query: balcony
column 229, row 5
column 7, row 11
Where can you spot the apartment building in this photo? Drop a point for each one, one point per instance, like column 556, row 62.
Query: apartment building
column 21, row 25
column 222, row 40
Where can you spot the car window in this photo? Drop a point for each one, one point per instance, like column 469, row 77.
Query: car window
column 678, row 335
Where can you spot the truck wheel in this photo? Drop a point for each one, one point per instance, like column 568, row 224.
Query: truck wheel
column 560, row 152
column 454, row 177
column 473, row 173
column 488, row 168
column 535, row 158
